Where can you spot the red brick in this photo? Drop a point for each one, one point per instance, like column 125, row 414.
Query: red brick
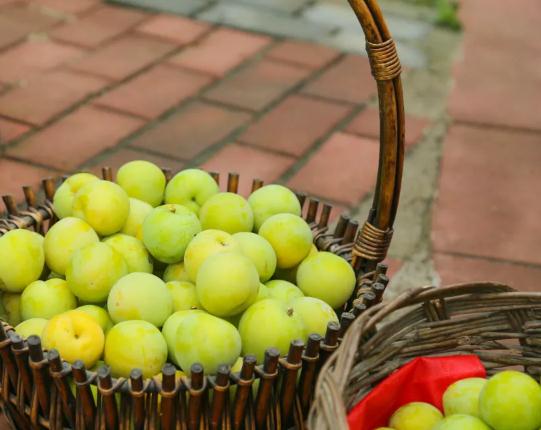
column 458, row 269
column 34, row 56
column 191, row 130
column 123, row 57
column 304, row 54
column 14, row 174
column 295, row 124
column 10, row 130
column 175, row 29
column 98, row 26
column 19, row 19
column 153, row 92
column 342, row 170
column 76, row 138
column 366, row 124
column 249, row 163
column 69, row 6
column 487, row 203
column 48, row 95
column 116, row 157
column 257, row 85
column 220, row 51
column 348, row 80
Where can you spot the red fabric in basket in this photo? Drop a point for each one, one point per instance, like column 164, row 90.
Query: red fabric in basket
column 423, row 379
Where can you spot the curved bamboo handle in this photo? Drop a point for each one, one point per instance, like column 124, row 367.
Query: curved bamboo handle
column 374, row 238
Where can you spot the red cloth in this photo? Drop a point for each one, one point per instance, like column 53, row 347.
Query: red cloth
column 423, row 379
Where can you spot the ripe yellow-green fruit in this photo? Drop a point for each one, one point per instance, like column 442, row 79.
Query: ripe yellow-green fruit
column 176, row 272
column 226, row 283
column 183, row 294
column 142, row 180
column 462, row 397
column 267, row 324
column 133, row 251
column 511, row 400
column 272, row 200
column 191, row 188
column 11, row 303
column 208, row 340
column 63, row 239
column 31, row 327
column 103, row 205
column 140, row 296
column 45, row 299
column 290, row 237
column 136, row 217
column 461, row 422
column 93, row 270
column 262, row 294
column 315, row 315
column 227, row 212
column 169, row 330
column 205, row 244
column 291, row 273
column 415, row 416
column 21, row 259
column 63, row 198
column 283, row 290
column 135, row 344
column 76, row 336
column 327, row 277
column 99, row 314
column 167, row 230
column 259, row 250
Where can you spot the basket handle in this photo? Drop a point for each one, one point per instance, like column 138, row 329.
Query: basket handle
column 373, row 240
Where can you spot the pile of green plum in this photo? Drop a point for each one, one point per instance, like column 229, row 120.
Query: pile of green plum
column 140, row 271
column 510, row 400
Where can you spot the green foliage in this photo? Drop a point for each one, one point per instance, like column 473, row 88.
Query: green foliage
column 447, row 14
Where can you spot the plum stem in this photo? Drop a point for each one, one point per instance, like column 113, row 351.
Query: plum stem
column 289, row 312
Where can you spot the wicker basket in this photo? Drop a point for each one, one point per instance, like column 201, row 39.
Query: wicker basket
column 498, row 324
column 35, row 391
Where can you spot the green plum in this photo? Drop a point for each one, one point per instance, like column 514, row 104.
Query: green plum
column 169, row 330
column 291, row 273
column 191, row 188
column 136, row 217
column 140, row 296
column 63, row 197
column 266, row 324
column 22, row 259
column 31, row 327
column 205, row 244
column 45, row 299
column 63, row 239
column 328, row 277
column 103, row 205
column 132, row 250
column 142, row 180
column 176, row 272
column 227, row 212
column 12, row 306
column 93, row 270
column 462, row 397
column 226, row 283
column 259, row 250
column 271, row 200
column 262, row 294
column 511, row 400
column 135, row 344
column 461, row 422
column 183, row 294
column 415, row 416
column 283, row 290
column 99, row 314
column 290, row 237
column 315, row 315
column 167, row 230
column 208, row 340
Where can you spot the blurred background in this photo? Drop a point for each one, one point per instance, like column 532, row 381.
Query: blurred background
column 281, row 90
